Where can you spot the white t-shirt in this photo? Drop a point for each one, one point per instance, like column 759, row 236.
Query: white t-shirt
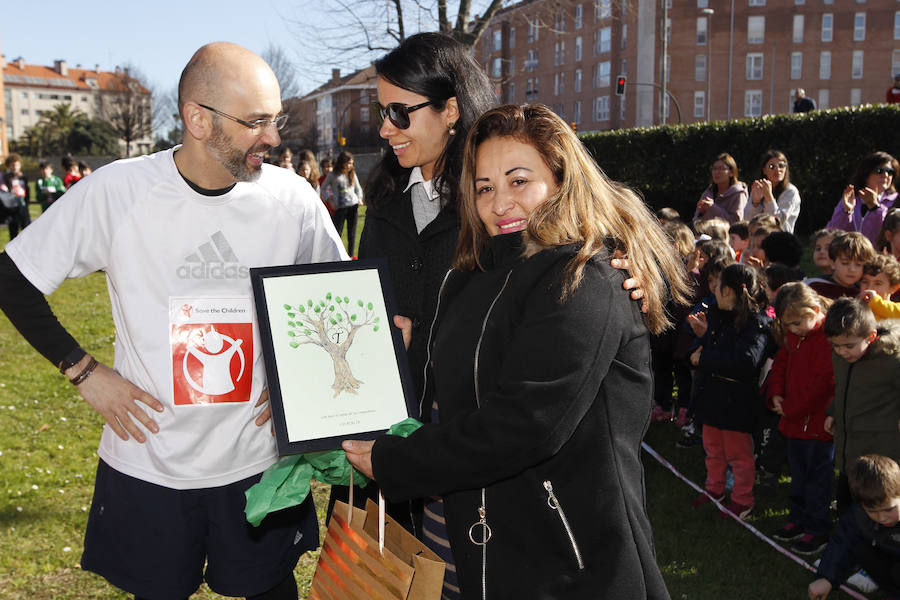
column 172, row 255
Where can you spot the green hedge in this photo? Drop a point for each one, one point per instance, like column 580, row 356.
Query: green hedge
column 670, row 164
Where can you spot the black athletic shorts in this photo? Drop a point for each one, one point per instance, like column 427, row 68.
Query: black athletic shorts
column 154, row 542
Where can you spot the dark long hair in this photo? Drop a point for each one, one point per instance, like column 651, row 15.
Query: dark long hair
column 781, row 185
column 438, row 67
column 744, row 282
column 341, row 164
column 867, row 166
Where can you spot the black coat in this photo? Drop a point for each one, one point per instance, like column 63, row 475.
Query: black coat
column 564, row 390
column 727, row 392
column 417, row 262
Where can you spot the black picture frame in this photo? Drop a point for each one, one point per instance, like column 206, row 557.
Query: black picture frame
column 290, row 365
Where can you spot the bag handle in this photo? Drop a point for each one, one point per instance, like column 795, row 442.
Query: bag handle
column 381, row 513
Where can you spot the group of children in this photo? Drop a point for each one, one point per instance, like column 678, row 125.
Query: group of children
column 15, row 192
column 772, row 367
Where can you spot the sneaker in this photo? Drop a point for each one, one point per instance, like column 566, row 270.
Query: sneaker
column 741, row 511
column 689, row 439
column 682, row 419
column 658, row 414
column 861, row 581
column 809, row 544
column 705, row 499
column 790, row 531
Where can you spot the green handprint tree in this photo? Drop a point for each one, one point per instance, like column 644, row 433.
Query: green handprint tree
column 332, row 324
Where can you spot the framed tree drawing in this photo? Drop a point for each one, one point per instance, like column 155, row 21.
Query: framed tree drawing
column 335, row 363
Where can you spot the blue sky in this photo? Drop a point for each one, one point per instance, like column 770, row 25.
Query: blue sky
column 157, row 36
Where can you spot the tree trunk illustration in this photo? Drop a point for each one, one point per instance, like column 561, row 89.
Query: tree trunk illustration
column 344, row 381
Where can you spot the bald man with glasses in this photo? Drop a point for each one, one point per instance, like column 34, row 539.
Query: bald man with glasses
column 187, row 419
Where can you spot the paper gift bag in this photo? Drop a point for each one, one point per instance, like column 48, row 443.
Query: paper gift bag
column 353, row 565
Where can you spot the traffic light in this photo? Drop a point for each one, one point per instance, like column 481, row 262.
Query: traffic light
column 620, row 86
column 574, row 126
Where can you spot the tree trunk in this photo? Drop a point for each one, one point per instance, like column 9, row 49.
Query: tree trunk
column 344, row 381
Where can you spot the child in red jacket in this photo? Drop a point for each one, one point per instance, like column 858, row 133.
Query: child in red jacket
column 801, row 386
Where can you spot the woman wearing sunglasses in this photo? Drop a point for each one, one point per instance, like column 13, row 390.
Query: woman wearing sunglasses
column 773, row 193
column 541, row 368
column 866, row 201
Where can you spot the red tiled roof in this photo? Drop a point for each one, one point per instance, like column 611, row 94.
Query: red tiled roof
column 41, row 76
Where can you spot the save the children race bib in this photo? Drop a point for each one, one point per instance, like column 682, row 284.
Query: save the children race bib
column 211, row 345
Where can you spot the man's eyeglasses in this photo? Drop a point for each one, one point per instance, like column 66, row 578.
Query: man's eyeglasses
column 883, row 170
column 397, row 112
column 778, row 165
column 257, row 126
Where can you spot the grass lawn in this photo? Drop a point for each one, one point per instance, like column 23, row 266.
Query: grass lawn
column 48, row 438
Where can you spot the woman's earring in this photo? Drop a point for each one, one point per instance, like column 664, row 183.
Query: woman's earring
column 451, row 130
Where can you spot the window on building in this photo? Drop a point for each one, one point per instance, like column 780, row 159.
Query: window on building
column 827, row 27
column 701, row 31
column 824, row 99
column 856, row 69
column 669, row 31
column 498, row 39
column 700, row 104
column 67, row 98
column 754, row 65
column 797, row 37
column 577, row 83
column 756, row 30
column 602, row 108
column 895, row 62
column 796, row 65
column 702, row 3
column 364, row 113
column 604, row 38
column 699, row 67
column 532, row 62
column 799, row 2
column 824, row 65
column 578, row 48
column 25, row 111
column 511, row 66
column 859, row 27
column 753, row 103
column 602, row 9
column 623, row 41
column 497, row 67
column 24, row 94
column 559, row 84
column 556, row 54
column 512, row 37
column 757, row 3
column 576, row 113
column 621, row 109
column 897, row 26
column 534, row 28
column 579, row 16
column 511, row 93
column 855, row 97
column 601, row 78
column 668, row 68
column 827, row 1
column 559, row 21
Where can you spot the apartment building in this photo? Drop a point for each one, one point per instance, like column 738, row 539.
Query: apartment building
column 720, row 59
column 31, row 90
column 339, row 110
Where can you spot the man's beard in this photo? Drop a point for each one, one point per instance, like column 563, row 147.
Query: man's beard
column 232, row 158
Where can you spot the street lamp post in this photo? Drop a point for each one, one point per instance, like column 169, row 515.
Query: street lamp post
column 709, row 13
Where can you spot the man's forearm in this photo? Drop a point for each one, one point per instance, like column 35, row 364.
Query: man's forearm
column 29, row 312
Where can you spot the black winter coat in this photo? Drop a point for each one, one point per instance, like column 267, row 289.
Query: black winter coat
column 541, row 401
column 727, row 392
column 854, row 531
column 417, row 262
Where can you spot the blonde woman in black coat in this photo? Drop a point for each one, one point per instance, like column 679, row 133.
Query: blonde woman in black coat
column 540, row 367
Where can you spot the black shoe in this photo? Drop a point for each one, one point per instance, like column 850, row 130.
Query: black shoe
column 809, row 544
column 790, row 532
column 689, row 440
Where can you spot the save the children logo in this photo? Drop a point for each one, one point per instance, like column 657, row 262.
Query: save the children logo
column 214, row 259
column 211, row 342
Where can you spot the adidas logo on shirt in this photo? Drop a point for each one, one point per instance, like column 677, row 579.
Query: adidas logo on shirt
column 213, row 260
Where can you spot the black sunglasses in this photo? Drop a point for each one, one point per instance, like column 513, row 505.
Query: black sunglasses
column 883, row 170
column 397, row 112
column 778, row 165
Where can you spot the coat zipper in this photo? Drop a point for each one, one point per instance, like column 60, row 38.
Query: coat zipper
column 482, row 510
column 553, row 502
column 412, row 518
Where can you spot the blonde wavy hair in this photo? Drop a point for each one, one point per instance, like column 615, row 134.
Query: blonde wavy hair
column 587, row 209
column 796, row 300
